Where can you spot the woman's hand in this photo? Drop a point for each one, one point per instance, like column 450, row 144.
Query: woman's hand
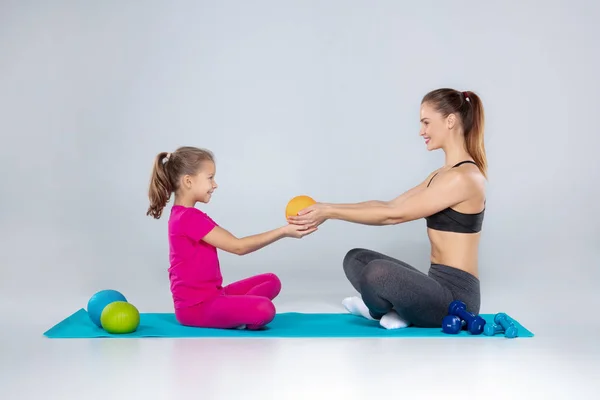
column 297, row 231
column 311, row 216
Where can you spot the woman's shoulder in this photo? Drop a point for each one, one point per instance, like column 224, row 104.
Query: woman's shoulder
column 465, row 179
column 471, row 176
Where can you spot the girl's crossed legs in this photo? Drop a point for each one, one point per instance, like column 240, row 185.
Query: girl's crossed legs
column 244, row 303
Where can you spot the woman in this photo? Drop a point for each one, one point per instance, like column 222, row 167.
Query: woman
column 451, row 199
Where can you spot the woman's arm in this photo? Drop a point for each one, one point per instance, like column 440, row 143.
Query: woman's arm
column 411, row 192
column 452, row 188
column 395, row 201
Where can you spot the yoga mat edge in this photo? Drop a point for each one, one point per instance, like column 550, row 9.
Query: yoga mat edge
column 285, row 325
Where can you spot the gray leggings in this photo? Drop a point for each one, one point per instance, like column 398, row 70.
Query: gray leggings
column 386, row 283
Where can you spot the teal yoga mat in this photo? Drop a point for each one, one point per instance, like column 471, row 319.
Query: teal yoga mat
column 285, row 325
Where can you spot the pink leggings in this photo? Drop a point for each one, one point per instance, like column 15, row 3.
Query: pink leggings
column 246, row 302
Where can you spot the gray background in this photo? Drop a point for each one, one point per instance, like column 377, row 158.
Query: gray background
column 295, row 97
column 312, row 97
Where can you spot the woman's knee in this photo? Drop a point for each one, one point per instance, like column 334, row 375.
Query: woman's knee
column 352, row 257
column 375, row 273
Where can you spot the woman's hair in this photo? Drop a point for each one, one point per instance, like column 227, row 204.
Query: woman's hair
column 469, row 108
column 168, row 169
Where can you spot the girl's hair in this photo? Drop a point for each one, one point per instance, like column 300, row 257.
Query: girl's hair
column 469, row 108
column 168, row 169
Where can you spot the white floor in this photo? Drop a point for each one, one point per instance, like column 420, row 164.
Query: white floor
column 556, row 364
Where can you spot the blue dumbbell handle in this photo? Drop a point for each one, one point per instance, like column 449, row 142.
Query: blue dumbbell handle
column 491, row 329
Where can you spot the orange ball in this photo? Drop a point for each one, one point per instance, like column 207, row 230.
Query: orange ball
column 298, row 203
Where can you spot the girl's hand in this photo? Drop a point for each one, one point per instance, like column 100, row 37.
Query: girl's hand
column 297, row 231
column 311, row 216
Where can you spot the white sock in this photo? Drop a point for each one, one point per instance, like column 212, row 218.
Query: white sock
column 356, row 306
column 392, row 320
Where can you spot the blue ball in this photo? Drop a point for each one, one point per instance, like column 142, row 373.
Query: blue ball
column 100, row 300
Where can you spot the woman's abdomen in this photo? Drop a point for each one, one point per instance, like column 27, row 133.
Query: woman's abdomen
column 458, row 250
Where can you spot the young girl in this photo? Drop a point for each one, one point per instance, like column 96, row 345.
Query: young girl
column 196, row 283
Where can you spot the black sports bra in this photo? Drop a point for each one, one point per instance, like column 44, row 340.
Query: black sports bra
column 450, row 220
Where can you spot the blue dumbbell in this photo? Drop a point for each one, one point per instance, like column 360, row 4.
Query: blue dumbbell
column 451, row 324
column 474, row 322
column 510, row 329
column 491, row 329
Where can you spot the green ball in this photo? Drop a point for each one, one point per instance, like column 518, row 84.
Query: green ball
column 120, row 317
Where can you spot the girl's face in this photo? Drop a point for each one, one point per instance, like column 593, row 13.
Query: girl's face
column 203, row 184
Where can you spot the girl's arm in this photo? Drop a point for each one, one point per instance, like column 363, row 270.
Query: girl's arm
column 224, row 240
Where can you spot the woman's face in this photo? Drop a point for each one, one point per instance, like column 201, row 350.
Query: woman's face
column 434, row 127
